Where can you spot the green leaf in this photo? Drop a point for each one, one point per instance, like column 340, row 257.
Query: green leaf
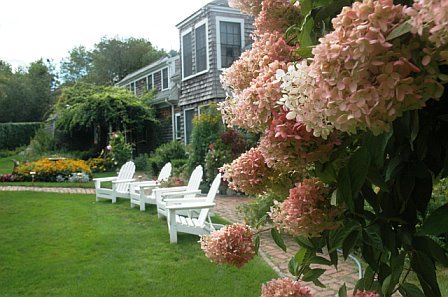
column 312, row 274
column 410, row 290
column 377, row 147
column 396, row 265
column 306, row 6
column 319, row 260
column 342, row 291
column 415, row 126
column 304, row 242
column 337, row 237
column 358, row 167
column 331, row 10
column 372, row 238
column 399, row 31
column 430, row 247
column 423, row 265
column 305, row 52
column 293, row 266
column 318, row 283
column 349, row 242
column 305, row 38
column 278, row 239
column 344, row 190
column 436, row 223
column 299, row 257
column 369, row 277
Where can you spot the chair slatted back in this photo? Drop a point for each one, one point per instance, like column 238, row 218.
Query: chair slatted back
column 210, row 198
column 195, row 180
column 165, row 172
column 126, row 172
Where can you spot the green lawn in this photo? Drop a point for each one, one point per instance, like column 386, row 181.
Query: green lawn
column 69, row 245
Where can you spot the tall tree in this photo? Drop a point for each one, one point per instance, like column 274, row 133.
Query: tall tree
column 109, row 61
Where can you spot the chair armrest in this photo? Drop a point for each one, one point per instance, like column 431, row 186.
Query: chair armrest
column 190, row 206
column 145, row 183
column 121, row 181
column 172, row 189
column 174, row 201
column 178, row 194
column 101, row 179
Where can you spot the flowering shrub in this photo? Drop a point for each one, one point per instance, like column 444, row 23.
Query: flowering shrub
column 49, row 170
column 120, row 151
column 10, row 177
column 232, row 245
column 100, row 164
column 173, row 181
column 307, row 211
column 355, row 119
column 284, row 287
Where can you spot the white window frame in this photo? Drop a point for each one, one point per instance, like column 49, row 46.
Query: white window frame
column 185, row 123
column 152, row 81
column 193, row 47
column 201, row 107
column 218, row 36
column 167, row 78
column 177, row 116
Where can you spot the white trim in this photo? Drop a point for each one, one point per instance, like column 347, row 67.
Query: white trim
column 185, row 124
column 200, row 107
column 175, row 137
column 193, row 49
column 167, row 78
column 152, row 80
column 218, row 36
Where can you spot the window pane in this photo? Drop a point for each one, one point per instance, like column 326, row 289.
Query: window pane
column 178, row 126
column 230, row 39
column 201, row 48
column 187, row 55
column 189, row 115
column 165, row 79
column 150, row 86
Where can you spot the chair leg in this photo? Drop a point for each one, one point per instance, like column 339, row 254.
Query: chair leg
column 142, row 205
column 114, row 198
column 171, row 217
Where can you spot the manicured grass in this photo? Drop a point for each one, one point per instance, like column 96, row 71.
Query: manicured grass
column 69, row 245
column 6, row 164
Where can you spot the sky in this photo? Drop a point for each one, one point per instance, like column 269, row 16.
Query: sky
column 49, row 29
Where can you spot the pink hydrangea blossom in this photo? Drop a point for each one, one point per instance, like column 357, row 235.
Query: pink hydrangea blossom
column 232, row 245
column 287, row 145
column 430, row 17
column 366, row 294
column 267, row 47
column 252, row 108
column 277, row 16
column 251, row 7
column 284, row 287
column 307, row 210
column 360, row 80
column 248, row 173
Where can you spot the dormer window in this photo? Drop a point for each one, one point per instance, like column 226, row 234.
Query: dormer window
column 230, row 40
column 194, row 50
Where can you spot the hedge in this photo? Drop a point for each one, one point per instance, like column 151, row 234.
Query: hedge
column 13, row 135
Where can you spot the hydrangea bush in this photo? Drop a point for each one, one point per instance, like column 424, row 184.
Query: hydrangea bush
column 351, row 101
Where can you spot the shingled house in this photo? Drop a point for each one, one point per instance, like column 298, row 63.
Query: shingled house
column 210, row 40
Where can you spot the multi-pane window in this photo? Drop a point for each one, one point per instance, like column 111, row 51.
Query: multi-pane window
column 150, row 82
column 164, row 78
column 187, row 55
column 230, row 42
column 132, row 87
column 188, row 124
column 201, row 48
column 178, row 126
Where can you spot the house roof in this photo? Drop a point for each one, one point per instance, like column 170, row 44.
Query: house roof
column 147, row 69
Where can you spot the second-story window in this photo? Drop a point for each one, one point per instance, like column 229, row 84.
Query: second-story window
column 164, row 78
column 201, row 48
column 230, row 39
column 150, row 82
column 187, row 55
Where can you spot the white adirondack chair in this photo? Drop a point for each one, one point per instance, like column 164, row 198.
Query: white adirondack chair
column 201, row 225
column 120, row 183
column 142, row 193
column 189, row 191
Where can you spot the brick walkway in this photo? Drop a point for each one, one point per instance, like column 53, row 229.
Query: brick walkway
column 226, row 206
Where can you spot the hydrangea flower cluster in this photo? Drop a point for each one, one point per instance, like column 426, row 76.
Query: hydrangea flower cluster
column 307, row 211
column 267, row 47
column 431, row 16
column 248, row 173
column 361, row 81
column 252, row 108
column 366, row 294
column 284, row 287
column 250, row 7
column 287, row 145
column 232, row 245
column 277, row 16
